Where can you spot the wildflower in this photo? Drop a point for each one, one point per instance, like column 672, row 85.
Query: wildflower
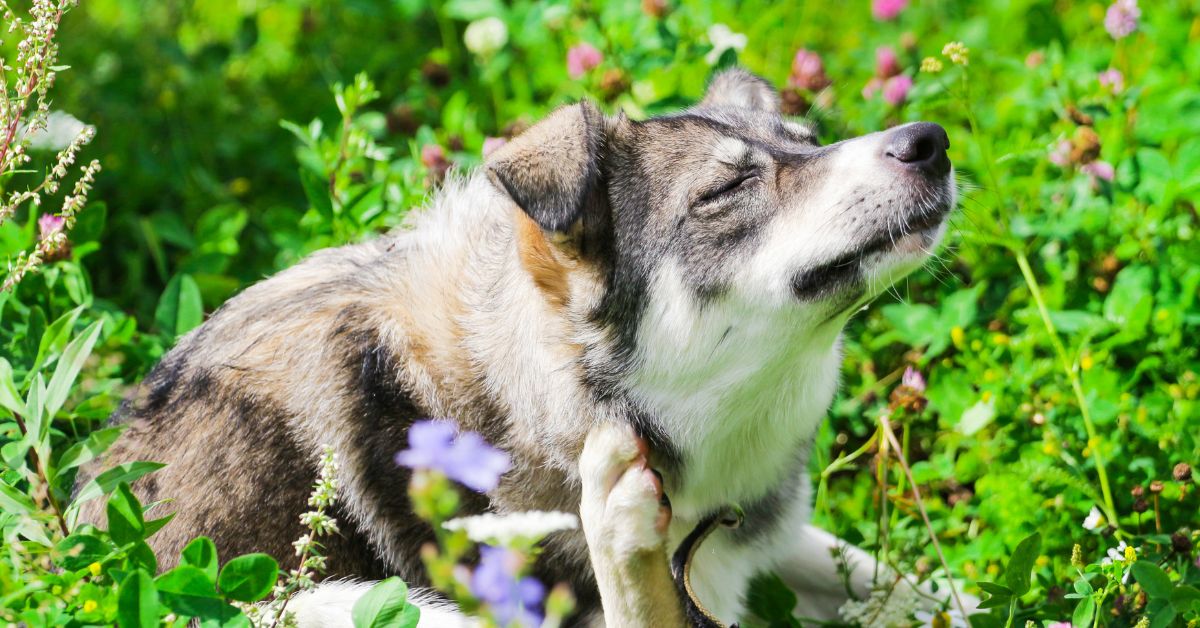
column 1077, row 557
column 581, row 58
column 808, row 71
column 485, row 37
column 49, row 226
column 1121, row 554
column 1181, row 543
column 1121, row 19
column 467, row 459
column 913, row 379
column 1059, row 624
column 433, row 157
column 57, row 131
column 1112, row 80
column 957, row 52
column 506, row 530
column 1034, row 59
column 655, row 8
column 1182, row 472
column 513, row 600
column 491, row 144
column 931, row 65
column 886, row 63
column 1094, row 521
column 723, row 38
column 885, row 10
column 1100, row 170
column 1060, row 155
column 1144, row 622
column 90, row 606
column 896, row 89
column 942, row 619
column 1156, row 487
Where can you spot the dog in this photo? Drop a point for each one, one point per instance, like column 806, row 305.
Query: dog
column 629, row 309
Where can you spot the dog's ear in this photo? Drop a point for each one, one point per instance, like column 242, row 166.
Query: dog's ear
column 736, row 87
column 551, row 169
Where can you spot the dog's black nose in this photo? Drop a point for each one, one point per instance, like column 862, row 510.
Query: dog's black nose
column 922, row 146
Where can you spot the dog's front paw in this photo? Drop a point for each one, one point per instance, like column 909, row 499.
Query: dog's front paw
column 624, row 511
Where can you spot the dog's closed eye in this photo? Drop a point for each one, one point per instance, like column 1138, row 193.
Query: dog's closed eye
column 742, row 181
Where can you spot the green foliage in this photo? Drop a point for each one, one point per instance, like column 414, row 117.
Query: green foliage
column 1057, row 331
column 386, row 606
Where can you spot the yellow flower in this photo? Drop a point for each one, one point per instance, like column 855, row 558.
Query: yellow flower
column 90, row 606
column 930, row 65
column 94, row 568
column 957, row 52
column 1000, row 339
column 1042, row 560
column 957, row 336
column 1086, row 363
column 1130, row 554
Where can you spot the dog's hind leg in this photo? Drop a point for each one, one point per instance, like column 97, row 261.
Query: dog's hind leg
column 625, row 521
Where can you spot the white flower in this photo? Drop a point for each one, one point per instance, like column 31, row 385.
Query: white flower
column 723, row 38
column 485, row 37
column 1094, row 520
column 60, row 131
column 530, row 526
column 884, row 607
column 940, row 619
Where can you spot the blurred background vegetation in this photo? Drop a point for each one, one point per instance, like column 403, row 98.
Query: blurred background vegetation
column 1057, row 334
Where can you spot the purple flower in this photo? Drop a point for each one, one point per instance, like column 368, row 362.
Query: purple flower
column 808, row 71
column 896, row 89
column 513, row 600
column 884, row 10
column 913, row 379
column 872, row 87
column 886, row 63
column 490, row 144
column 467, row 459
column 581, row 58
column 1121, row 19
column 49, row 225
column 1113, row 80
column 1060, row 155
column 1100, row 170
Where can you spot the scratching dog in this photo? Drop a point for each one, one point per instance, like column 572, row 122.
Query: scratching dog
column 630, row 309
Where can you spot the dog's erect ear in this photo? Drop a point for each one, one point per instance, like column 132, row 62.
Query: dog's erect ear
column 550, row 169
column 736, row 87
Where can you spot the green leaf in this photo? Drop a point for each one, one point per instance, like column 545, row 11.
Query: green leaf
column 977, row 417
column 1153, row 579
column 125, row 522
column 10, row 397
column 1084, row 612
column 55, row 337
column 80, row 550
column 202, row 554
column 68, row 367
column 1000, row 595
column 770, row 600
column 154, row 525
column 248, row 578
column 180, row 308
column 137, row 601
column 1021, row 564
column 106, row 482
column 15, row 502
column 90, row 448
column 385, row 606
column 188, row 590
column 1185, row 598
column 316, row 190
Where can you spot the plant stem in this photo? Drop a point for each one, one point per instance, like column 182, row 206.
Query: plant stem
column 39, row 471
column 1094, row 443
column 886, row 428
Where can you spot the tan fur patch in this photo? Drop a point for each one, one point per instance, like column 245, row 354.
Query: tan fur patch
column 540, row 261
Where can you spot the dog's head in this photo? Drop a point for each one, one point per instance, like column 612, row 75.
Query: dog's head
column 733, row 202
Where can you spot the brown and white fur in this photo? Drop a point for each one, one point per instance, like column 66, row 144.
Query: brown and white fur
column 675, row 287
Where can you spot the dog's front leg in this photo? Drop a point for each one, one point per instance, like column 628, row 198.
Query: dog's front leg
column 625, row 521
